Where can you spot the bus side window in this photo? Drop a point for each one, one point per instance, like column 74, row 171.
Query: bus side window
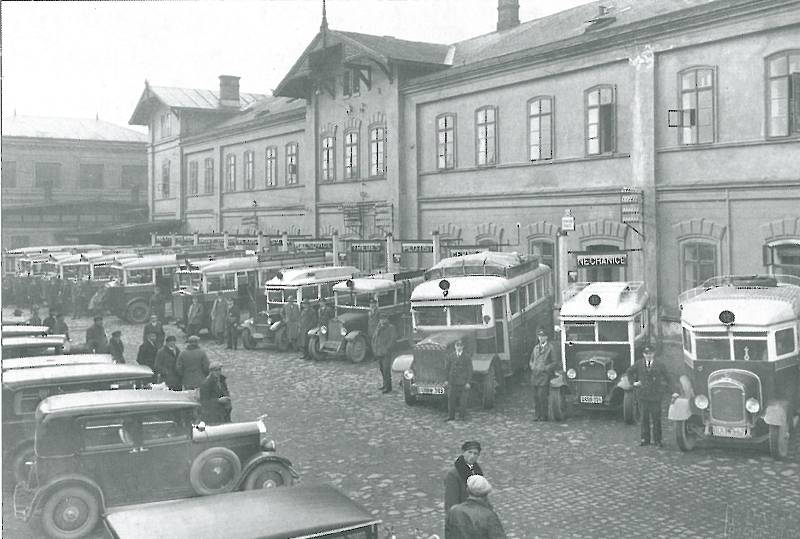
column 499, row 307
column 513, row 301
column 539, row 287
column 523, row 297
column 532, row 297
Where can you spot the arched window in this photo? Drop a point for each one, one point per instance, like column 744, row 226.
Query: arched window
column 545, row 249
column 486, row 136
column 328, row 159
column 783, row 257
column 351, row 169
column 603, row 273
column 783, row 93
column 540, row 128
column 698, row 103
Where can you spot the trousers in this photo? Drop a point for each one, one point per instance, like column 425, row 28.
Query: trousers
column 457, row 401
column 651, row 413
column 385, row 366
column 540, row 394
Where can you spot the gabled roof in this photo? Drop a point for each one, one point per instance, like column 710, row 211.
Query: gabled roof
column 391, row 48
column 266, row 106
column 184, row 98
column 69, row 129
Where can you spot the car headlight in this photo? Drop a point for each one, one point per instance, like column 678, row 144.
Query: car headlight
column 701, row 401
column 408, row 374
column 571, row 374
column 268, row 445
column 611, row 374
column 269, row 320
column 323, row 330
column 343, row 331
column 264, row 441
column 752, row 405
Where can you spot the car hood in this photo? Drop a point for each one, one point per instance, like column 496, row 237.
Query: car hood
column 225, row 431
column 350, row 319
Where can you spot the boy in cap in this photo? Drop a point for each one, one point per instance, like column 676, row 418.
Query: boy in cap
column 465, row 466
column 474, row 518
column 543, row 365
column 116, row 348
column 651, row 381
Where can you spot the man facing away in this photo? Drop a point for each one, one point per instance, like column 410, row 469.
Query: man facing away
column 474, row 518
column 192, row 364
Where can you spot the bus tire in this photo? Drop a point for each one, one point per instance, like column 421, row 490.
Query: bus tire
column 313, row 348
column 282, row 340
column 408, row 396
column 630, row 408
column 356, row 349
column 247, row 340
column 685, row 437
column 137, row 312
column 489, row 388
column 556, row 407
column 779, row 441
column 70, row 512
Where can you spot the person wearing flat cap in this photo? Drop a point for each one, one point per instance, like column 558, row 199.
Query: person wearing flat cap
column 543, row 365
column 192, row 364
column 465, row 466
column 650, row 381
column 474, row 518
column 215, row 399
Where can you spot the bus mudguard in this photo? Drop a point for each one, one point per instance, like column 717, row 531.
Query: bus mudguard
column 402, row 363
column 776, row 413
column 680, row 409
column 352, row 335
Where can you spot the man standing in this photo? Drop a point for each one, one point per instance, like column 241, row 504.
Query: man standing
column 291, row 317
column 652, row 381
column 382, row 344
column 192, row 364
column 374, row 317
column 35, row 319
column 148, row 351
column 543, row 365
column 474, row 518
column 194, row 319
column 308, row 321
column 156, row 327
column 50, row 321
column 459, row 375
column 465, row 466
column 96, row 340
column 325, row 312
column 219, row 314
column 158, row 306
column 166, row 364
column 116, row 348
column 232, row 324
column 215, row 400
column 60, row 326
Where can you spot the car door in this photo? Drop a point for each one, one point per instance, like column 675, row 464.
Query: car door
column 165, row 453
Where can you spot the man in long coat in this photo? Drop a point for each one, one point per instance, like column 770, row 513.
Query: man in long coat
column 192, row 364
column 232, row 319
column 465, row 466
column 308, row 321
column 474, row 518
column 459, row 374
column 325, row 312
column 215, row 400
column 116, row 347
column 156, row 327
column 651, row 380
column 158, row 306
column 382, row 345
column 148, row 351
column 194, row 320
column 96, row 340
column 166, row 364
column 219, row 313
column 543, row 365
column 291, row 317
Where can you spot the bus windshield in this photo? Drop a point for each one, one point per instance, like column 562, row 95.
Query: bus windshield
column 189, row 279
column 716, row 346
column 77, row 271
column 352, row 299
column 448, row 315
column 281, row 295
column 106, row 273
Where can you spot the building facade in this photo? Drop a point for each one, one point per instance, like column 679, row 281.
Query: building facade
column 668, row 131
column 64, row 175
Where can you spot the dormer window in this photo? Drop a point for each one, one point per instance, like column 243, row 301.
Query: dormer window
column 166, row 125
column 354, row 79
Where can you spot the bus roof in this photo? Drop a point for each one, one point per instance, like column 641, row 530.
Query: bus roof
column 617, row 299
column 471, row 287
column 312, row 274
column 52, row 248
column 17, row 378
column 148, row 261
column 751, row 306
column 507, row 265
column 380, row 281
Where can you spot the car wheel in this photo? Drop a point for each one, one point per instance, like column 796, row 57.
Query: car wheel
column 556, row 407
column 630, row 408
column 685, row 436
column 313, row 348
column 779, row 441
column 282, row 340
column 69, row 513
column 489, row 388
column 247, row 340
column 356, row 349
column 214, row 471
column 21, row 463
column 409, row 397
column 137, row 312
column 268, row 475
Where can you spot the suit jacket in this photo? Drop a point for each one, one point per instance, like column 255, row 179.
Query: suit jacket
column 459, row 369
column 543, row 364
column 158, row 330
column 473, row 519
column 166, row 367
column 383, row 340
column 96, row 339
column 117, row 350
column 655, row 380
column 147, row 354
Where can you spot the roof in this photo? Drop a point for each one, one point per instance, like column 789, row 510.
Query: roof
column 264, row 107
column 51, row 248
column 26, row 341
column 750, row 306
column 400, row 49
column 617, row 299
column 313, row 274
column 472, row 287
column 17, row 330
column 66, row 374
column 184, row 98
column 148, row 261
column 366, row 284
column 128, row 400
column 292, row 512
column 69, row 128
column 56, row 360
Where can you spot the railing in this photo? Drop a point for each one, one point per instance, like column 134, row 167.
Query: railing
column 468, row 267
column 739, row 282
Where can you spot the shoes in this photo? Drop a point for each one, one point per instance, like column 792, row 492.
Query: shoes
column 643, row 443
column 659, row 445
column 387, row 390
column 381, row 388
column 449, row 419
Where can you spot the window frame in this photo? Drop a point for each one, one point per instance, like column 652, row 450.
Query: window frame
column 271, row 166
column 165, row 178
column 194, row 187
column 292, row 160
column 352, row 170
column 696, row 91
column 249, row 159
column 9, row 174
column 495, row 136
column 792, row 130
column 601, row 149
column 696, row 241
column 230, row 173
column 438, row 145
column 551, row 132
column 327, row 158
column 377, row 148
column 208, row 175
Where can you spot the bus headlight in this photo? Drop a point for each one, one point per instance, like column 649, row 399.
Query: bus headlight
column 269, row 320
column 323, row 330
column 571, row 374
column 408, row 374
column 343, row 331
column 611, row 374
column 701, row 401
column 752, row 405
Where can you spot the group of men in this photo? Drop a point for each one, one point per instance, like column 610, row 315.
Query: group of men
column 301, row 319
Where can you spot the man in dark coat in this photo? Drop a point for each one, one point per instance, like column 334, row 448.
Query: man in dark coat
column 459, row 375
column 373, row 317
column 194, row 320
column 148, row 351
column 291, row 319
column 543, row 365
column 215, row 400
column 192, row 364
column 96, row 340
column 465, row 466
column 382, row 345
column 308, row 321
column 651, row 380
column 116, row 348
column 232, row 320
column 157, row 328
column 60, row 326
column 166, row 364
column 474, row 518
column 35, row 319
column 325, row 312
column 50, row 321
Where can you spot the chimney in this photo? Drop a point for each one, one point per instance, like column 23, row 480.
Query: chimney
column 228, row 91
column 507, row 14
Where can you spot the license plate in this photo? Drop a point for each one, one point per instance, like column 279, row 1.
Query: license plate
column 430, row 390
column 730, row 432
column 591, row 399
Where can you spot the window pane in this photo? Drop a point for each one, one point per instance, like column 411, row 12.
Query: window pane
column 430, row 316
column 794, row 63
column 713, row 349
column 613, row 331
column 594, row 115
column 704, row 78
column 594, row 146
column 579, row 331
column 465, row 315
column 750, row 349
column 606, row 96
column 687, row 340
column 593, row 97
column 545, row 104
column 688, row 80
column 778, row 66
column 779, row 88
column 784, row 341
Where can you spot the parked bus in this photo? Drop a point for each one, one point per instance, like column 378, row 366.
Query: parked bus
column 494, row 302
column 11, row 256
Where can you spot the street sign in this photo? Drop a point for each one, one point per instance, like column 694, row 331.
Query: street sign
column 416, row 247
column 464, row 252
column 366, row 246
column 630, row 205
column 321, row 245
column 613, row 258
column 568, row 221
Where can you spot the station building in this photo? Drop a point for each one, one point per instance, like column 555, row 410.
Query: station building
column 667, row 132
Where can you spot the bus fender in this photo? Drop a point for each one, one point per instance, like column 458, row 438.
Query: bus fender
column 276, row 326
column 624, row 383
column 776, row 413
column 480, row 365
column 680, row 409
column 352, row 335
column 402, row 363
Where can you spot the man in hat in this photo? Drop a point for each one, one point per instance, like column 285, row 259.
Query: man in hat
column 465, row 466
column 474, row 518
column 459, row 374
column 291, row 319
column 148, row 351
column 192, row 364
column 373, row 317
column 154, row 326
column 166, row 364
column 651, row 380
column 215, row 400
column 382, row 344
column 96, row 340
column 219, row 316
column 116, row 348
column 543, row 365
column 325, row 312
column 233, row 315
column 60, row 327
column 50, row 321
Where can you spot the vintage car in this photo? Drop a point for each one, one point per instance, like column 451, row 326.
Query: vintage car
column 23, row 389
column 295, row 285
column 346, row 334
column 108, row 448
column 305, row 511
column 604, row 326
column 500, row 298
column 24, row 331
column 742, row 359
column 32, row 345
column 54, row 361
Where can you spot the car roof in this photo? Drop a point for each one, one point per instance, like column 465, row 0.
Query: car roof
column 33, row 340
column 20, row 330
column 13, row 379
column 469, row 287
column 55, row 360
column 303, row 511
column 313, row 274
column 617, row 299
column 125, row 400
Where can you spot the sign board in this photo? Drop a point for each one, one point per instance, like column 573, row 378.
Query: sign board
column 568, row 222
column 243, row 240
column 397, row 258
column 613, row 258
column 276, row 241
column 630, row 205
column 416, row 246
column 366, row 246
column 467, row 251
column 210, row 240
column 321, row 245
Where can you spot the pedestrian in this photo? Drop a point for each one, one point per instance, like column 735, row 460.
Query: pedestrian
column 116, row 348
column 192, row 364
column 543, row 365
column 465, row 466
column 291, row 317
column 35, row 319
column 156, row 327
column 382, row 345
column 459, row 375
column 232, row 325
column 96, row 340
column 166, row 364
column 651, row 381
column 195, row 317
column 96, row 304
column 60, row 326
column 373, row 317
column 308, row 321
column 158, row 306
column 474, row 518
column 50, row 321
column 148, row 351
column 79, row 292
column 325, row 312
column 215, row 400
column 219, row 314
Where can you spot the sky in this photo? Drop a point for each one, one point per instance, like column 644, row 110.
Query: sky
column 87, row 59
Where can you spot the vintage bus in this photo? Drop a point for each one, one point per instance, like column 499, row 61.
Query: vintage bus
column 742, row 356
column 81, row 266
column 12, row 256
column 499, row 299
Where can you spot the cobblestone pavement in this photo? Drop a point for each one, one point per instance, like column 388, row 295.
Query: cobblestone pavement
column 586, row 477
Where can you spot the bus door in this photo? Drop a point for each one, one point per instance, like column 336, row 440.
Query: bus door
column 500, row 323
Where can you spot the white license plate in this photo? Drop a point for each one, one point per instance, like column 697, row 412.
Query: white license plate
column 729, row 432
column 435, row 390
column 591, row 399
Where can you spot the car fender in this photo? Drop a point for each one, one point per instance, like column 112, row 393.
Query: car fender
column 351, row 336
column 776, row 413
column 312, row 332
column 259, row 458
column 480, row 365
column 276, row 325
column 680, row 409
column 63, row 481
column 402, row 363
column 624, row 383
column 247, row 324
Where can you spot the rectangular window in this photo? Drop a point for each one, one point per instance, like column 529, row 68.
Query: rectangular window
column 612, row 331
column 532, row 297
column 351, row 171
column 166, row 124
column 161, row 428
column 540, row 124
column 697, row 102
column 230, row 173
column 328, row 159
column 463, row 315
column 47, row 175
column 107, row 433
column 309, row 292
column 249, row 170
column 377, row 152
column 133, row 176
column 600, row 121
column 347, row 82
column 292, row 163
column 579, row 332
column 784, row 341
column 513, row 302
column 485, row 129
column 385, row 299
column 193, row 178
column 687, row 340
column 271, row 166
column 783, row 94
column 699, row 263
column 9, row 178
column 430, row 316
column 523, row 296
column 165, row 179
column 446, row 141
column 208, row 180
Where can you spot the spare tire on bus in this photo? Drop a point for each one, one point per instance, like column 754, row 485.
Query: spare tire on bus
column 137, row 312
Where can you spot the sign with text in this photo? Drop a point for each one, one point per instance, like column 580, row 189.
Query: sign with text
column 568, row 223
column 321, row 245
column 614, row 258
column 468, row 251
column 630, row 205
column 416, row 246
column 243, row 240
column 366, row 246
